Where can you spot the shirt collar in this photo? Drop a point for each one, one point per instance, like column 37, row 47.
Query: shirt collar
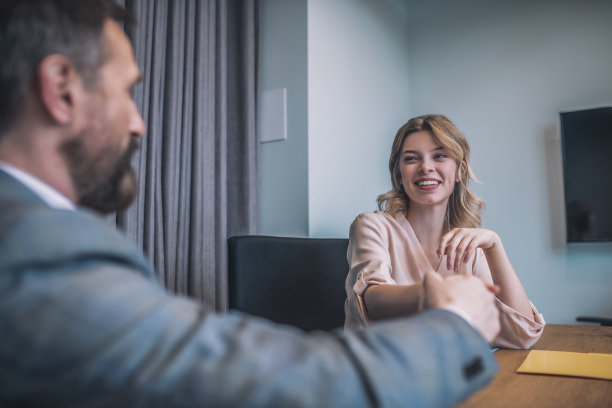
column 47, row 193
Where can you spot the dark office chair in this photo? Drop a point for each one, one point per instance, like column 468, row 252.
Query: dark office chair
column 295, row 281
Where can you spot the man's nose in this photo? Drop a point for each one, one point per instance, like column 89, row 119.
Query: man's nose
column 137, row 125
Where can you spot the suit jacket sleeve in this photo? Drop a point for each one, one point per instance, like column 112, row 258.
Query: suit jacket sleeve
column 84, row 323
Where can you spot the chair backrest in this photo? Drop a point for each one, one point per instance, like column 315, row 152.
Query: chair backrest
column 296, row 281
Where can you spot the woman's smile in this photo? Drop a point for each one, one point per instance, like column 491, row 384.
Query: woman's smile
column 428, row 184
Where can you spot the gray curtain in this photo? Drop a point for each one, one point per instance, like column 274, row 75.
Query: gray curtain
column 197, row 162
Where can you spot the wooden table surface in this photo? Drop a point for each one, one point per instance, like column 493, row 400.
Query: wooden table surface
column 511, row 389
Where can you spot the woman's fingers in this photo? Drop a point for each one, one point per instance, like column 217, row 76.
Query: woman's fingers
column 463, row 243
column 460, row 244
column 471, row 249
column 453, row 245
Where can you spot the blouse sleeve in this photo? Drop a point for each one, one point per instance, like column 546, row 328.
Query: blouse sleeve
column 517, row 330
column 369, row 262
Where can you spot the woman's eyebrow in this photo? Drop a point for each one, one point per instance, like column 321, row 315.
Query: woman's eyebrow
column 416, row 152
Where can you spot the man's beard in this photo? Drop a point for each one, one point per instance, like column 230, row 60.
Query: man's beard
column 99, row 187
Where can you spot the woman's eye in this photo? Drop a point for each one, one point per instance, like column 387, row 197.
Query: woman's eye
column 440, row 156
column 409, row 159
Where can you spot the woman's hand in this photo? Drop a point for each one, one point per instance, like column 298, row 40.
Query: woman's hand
column 460, row 244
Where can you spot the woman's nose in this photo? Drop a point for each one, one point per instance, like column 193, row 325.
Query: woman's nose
column 426, row 166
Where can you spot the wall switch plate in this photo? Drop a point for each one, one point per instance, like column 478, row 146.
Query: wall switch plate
column 273, row 115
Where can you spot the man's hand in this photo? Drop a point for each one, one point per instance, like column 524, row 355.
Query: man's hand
column 467, row 294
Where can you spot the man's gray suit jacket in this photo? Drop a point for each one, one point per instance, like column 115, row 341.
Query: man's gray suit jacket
column 84, row 323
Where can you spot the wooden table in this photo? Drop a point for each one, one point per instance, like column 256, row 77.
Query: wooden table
column 511, row 389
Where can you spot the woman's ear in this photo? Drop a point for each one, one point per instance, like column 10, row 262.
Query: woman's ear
column 461, row 171
column 57, row 78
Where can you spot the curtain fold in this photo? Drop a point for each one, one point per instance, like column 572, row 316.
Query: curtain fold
column 197, row 162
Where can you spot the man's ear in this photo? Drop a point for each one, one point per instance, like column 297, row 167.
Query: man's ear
column 57, row 80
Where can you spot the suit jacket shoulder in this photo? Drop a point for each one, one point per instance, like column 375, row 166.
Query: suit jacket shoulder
column 39, row 236
column 32, row 233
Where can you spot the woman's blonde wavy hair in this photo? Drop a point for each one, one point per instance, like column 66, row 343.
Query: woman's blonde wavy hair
column 464, row 207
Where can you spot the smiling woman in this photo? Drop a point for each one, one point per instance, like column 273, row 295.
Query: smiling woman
column 429, row 221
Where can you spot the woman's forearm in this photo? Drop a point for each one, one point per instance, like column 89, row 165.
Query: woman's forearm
column 511, row 292
column 386, row 301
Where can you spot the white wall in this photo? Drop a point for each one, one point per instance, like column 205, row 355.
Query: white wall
column 502, row 72
column 358, row 96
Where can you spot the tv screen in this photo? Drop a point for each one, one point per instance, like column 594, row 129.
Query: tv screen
column 587, row 173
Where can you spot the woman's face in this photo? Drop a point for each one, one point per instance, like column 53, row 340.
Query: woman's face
column 428, row 170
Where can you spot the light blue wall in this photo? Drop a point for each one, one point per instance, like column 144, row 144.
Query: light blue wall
column 358, row 96
column 501, row 71
column 345, row 66
column 283, row 165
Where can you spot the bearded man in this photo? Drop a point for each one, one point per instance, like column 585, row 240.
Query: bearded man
column 83, row 320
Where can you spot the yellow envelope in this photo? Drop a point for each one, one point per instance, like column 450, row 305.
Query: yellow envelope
column 593, row 365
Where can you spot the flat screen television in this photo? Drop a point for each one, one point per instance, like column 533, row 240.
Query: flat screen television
column 586, row 137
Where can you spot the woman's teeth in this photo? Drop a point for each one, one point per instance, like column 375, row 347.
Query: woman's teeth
column 427, row 182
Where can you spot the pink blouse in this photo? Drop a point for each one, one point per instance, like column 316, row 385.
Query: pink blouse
column 385, row 250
